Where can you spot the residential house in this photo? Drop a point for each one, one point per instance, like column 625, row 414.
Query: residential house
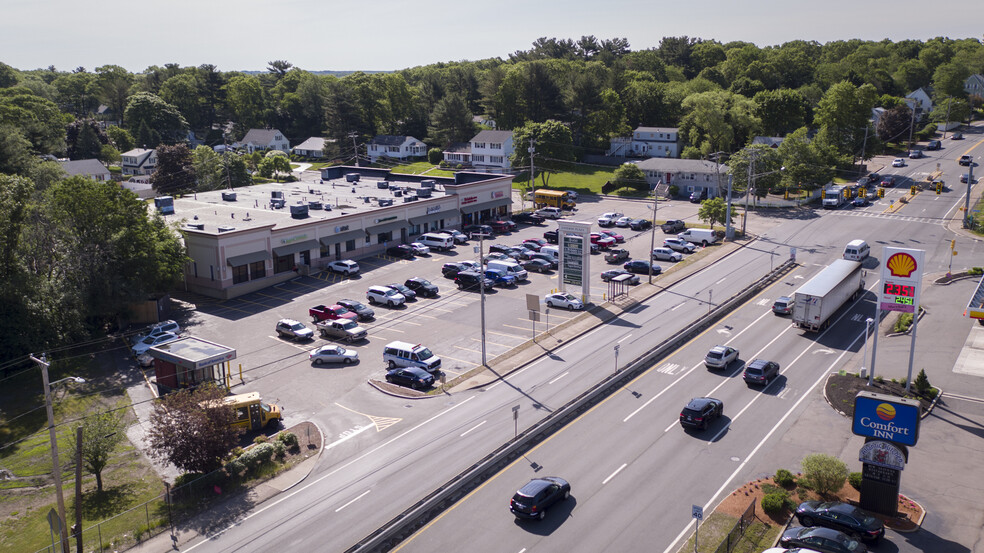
column 770, row 141
column 312, row 147
column 139, row 161
column 484, row 121
column 397, row 147
column 876, row 115
column 92, row 168
column 491, row 150
column 647, row 142
column 688, row 175
column 921, row 101
column 458, row 153
column 974, row 85
column 264, row 139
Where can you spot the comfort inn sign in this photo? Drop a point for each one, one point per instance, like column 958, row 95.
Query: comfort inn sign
column 889, row 418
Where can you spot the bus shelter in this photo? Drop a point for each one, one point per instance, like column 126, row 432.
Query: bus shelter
column 188, row 362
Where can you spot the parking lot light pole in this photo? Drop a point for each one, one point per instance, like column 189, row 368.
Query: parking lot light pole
column 867, row 331
column 652, row 231
column 481, row 289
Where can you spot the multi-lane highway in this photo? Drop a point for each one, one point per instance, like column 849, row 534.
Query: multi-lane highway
column 634, row 471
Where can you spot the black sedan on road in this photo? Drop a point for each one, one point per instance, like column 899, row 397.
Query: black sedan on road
column 533, row 499
column 824, row 540
column 840, row 516
column 641, row 267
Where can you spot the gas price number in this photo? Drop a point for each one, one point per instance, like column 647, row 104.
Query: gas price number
column 904, row 294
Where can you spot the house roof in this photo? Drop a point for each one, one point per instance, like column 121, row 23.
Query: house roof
column 975, row 79
column 313, row 143
column 492, row 136
column 771, row 141
column 391, row 140
column 84, row 167
column 656, row 129
column 261, row 136
column 673, row 165
column 458, row 148
column 139, row 153
column 926, row 90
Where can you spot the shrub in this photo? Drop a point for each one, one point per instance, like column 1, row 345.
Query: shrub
column 257, row 456
column 279, row 450
column 236, row 452
column 774, row 502
column 826, row 473
column 287, row 438
column 903, row 323
column 855, row 480
column 783, row 477
column 235, row 468
column 434, row 156
column 674, row 190
column 921, row 382
column 261, row 439
column 976, row 271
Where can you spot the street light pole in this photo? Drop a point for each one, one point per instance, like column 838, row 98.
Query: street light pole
column 481, row 289
column 867, row 331
column 752, row 155
column 652, row 230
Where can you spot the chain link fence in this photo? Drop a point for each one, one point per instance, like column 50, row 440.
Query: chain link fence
column 738, row 530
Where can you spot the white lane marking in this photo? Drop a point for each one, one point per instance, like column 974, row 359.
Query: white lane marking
column 667, row 368
column 612, row 475
column 684, row 375
column 965, row 398
column 472, row 428
column 210, row 537
column 360, row 496
column 558, row 378
column 677, row 306
column 523, row 550
column 670, row 427
column 625, row 338
column 722, row 280
column 349, row 434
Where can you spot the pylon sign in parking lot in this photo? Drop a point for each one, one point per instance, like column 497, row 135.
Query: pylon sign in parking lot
column 575, row 257
column 901, row 277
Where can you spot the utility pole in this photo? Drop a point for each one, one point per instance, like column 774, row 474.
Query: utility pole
column 77, row 529
column 864, row 146
column 355, row 147
column 652, row 232
column 970, row 179
column 56, row 466
column 481, row 289
column 532, row 150
column 752, row 155
column 729, row 233
column 912, row 124
column 949, row 100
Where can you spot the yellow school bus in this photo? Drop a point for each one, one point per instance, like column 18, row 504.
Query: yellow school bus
column 553, row 198
column 251, row 412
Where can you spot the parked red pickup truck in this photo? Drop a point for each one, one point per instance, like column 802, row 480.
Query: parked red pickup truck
column 330, row 313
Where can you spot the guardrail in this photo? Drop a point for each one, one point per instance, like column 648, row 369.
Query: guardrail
column 426, row 509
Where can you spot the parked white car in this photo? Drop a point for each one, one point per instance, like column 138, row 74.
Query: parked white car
column 346, row 267
column 623, row 222
column 666, row 254
column 142, row 346
column 679, row 244
column 334, row 354
column 567, row 301
column 420, row 249
column 163, row 327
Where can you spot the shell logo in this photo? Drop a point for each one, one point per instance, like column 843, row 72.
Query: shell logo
column 901, row 265
column 885, row 411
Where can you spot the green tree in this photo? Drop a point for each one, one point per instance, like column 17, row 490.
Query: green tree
column 629, row 174
column 184, row 92
column 175, row 172
column 950, row 109
column 804, row 165
column 8, row 75
column 121, row 138
column 714, row 210
column 234, row 171
column 77, row 91
column 434, row 156
column 844, row 113
column 162, row 118
column 274, row 166
column 949, row 78
column 767, row 160
column 716, row 120
column 553, row 144
column 84, row 139
column 101, row 434
column 208, row 168
column 826, row 473
column 247, row 101
column 781, row 111
column 450, row 122
column 911, row 75
column 192, row 429
column 16, row 157
column 112, row 86
column 39, row 119
column 109, row 155
column 893, row 125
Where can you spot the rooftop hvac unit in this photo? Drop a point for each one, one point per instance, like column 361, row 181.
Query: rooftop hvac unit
column 299, row 211
column 278, row 203
column 226, row 229
column 228, row 196
column 314, row 205
column 196, row 226
column 424, row 193
column 352, row 177
column 428, row 184
column 397, row 193
column 383, row 202
column 277, row 194
column 409, row 199
column 382, row 185
column 164, row 205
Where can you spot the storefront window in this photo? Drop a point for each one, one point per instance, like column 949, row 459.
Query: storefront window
column 384, row 237
column 283, row 263
column 240, row 273
column 325, row 250
column 350, row 245
column 257, row 270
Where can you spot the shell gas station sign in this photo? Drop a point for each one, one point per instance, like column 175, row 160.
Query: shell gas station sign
column 901, row 277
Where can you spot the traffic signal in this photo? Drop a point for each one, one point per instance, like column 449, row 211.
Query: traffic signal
column 912, row 190
column 847, row 193
column 939, row 188
column 881, row 192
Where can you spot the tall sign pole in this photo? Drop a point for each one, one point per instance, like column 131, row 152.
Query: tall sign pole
column 901, row 287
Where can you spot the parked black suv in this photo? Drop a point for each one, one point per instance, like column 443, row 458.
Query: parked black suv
column 402, row 251
column 470, row 279
column 451, row 270
column 474, row 230
column 533, row 499
column 421, row 286
column 528, row 218
column 761, row 372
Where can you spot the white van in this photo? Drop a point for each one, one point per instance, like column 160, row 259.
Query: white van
column 510, row 268
column 700, row 236
column 856, row 250
column 403, row 354
column 552, row 251
column 437, row 241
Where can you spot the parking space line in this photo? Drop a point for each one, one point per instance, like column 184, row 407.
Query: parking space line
column 425, row 316
column 519, row 327
column 386, row 328
column 469, row 349
column 291, row 344
column 493, row 343
column 506, row 335
column 446, row 356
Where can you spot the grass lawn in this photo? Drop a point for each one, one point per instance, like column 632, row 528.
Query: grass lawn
column 27, row 498
column 579, row 178
column 317, row 166
column 422, row 168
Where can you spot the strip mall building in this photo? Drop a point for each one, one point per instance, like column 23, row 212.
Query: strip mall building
column 246, row 239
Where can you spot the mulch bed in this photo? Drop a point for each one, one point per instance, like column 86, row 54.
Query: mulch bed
column 841, row 389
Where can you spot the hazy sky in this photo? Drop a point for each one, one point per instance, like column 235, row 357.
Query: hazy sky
column 390, row 34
